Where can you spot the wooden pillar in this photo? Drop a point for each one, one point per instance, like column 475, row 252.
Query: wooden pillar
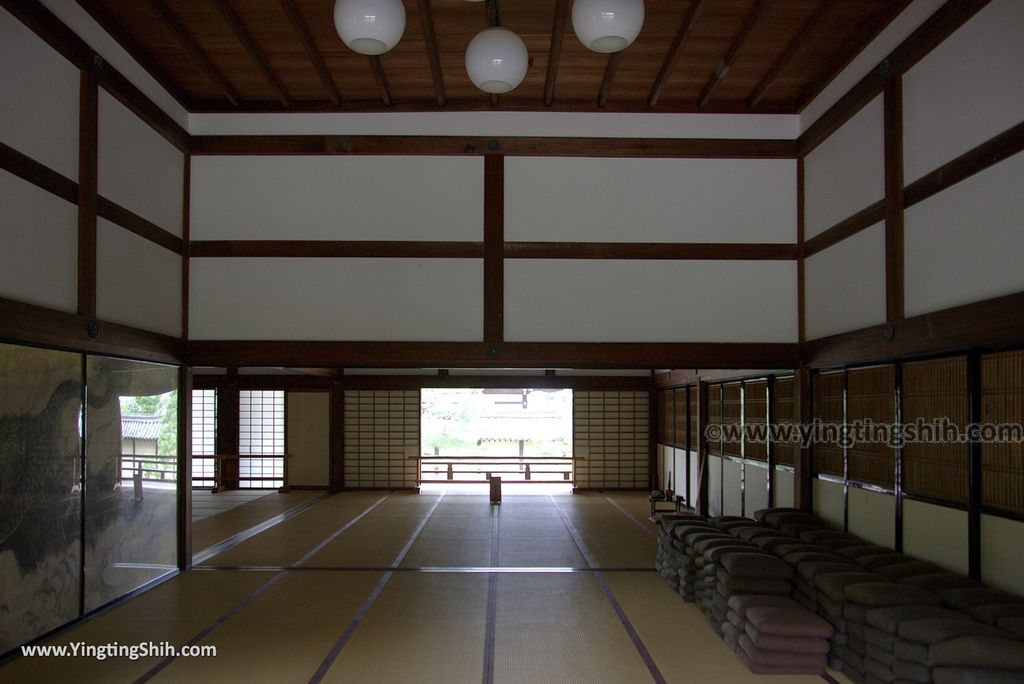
column 88, row 174
column 702, row 448
column 803, row 491
column 184, row 468
column 227, row 432
column 974, row 490
column 337, row 447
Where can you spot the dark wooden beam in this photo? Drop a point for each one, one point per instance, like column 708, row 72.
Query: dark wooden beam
column 494, row 249
column 36, row 325
column 650, row 250
column 98, row 11
column 383, row 249
column 28, row 169
column 255, row 52
column 433, row 54
column 555, row 51
column 894, row 277
column 991, row 323
column 756, row 12
column 682, row 148
column 134, row 223
column 596, row 383
column 382, row 80
column 803, row 489
column 184, row 440
column 989, row 153
column 192, row 46
column 801, row 253
column 382, row 354
column 309, row 45
column 950, row 17
column 336, row 478
column 786, row 58
column 674, row 52
column 186, row 245
column 226, row 430
column 846, row 228
column 88, row 175
column 609, row 78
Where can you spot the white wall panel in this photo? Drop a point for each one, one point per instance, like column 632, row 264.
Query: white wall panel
column 138, row 168
column 39, row 234
column 39, row 111
column 964, row 244
column 336, row 299
column 1001, row 541
column 714, row 485
column 828, row 502
column 554, row 300
column 138, row 283
column 732, row 502
column 935, row 533
column 873, row 516
column 337, row 198
column 784, row 488
column 845, row 284
column 694, row 493
column 650, row 200
column 308, row 435
column 755, row 488
column 846, row 173
column 967, row 90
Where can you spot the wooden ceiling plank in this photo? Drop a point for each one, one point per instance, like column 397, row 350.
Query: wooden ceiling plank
column 555, row 51
column 609, row 78
column 787, row 57
column 756, row 12
column 238, row 28
column 675, row 51
column 382, row 80
column 311, row 50
column 143, row 56
column 190, row 44
column 433, row 54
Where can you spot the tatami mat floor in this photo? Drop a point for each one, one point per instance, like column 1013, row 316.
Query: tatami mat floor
column 384, row 587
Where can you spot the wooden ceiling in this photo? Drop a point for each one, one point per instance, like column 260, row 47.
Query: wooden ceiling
column 747, row 56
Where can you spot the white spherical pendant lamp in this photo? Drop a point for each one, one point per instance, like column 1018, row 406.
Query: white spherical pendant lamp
column 496, row 60
column 607, row 25
column 370, row 27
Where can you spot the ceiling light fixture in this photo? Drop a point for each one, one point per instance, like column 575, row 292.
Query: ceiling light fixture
column 370, row 27
column 496, row 58
column 607, row 25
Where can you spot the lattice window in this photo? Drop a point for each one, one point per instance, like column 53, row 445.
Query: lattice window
column 204, row 436
column 828, row 408
column 784, row 408
column 872, row 396
column 932, row 391
column 755, row 412
column 261, row 438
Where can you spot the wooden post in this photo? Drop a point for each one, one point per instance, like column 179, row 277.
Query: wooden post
column 803, row 490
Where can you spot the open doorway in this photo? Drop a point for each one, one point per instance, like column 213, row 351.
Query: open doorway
column 523, row 436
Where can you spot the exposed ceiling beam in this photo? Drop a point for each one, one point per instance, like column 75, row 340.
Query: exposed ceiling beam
column 190, row 44
column 674, row 52
column 382, row 79
column 555, row 52
column 311, row 50
column 725, row 66
column 609, row 78
column 794, row 46
column 257, row 55
column 430, row 36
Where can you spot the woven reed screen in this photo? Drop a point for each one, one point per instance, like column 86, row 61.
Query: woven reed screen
column 1002, row 402
column 932, row 391
column 679, row 437
column 694, row 418
column 732, row 407
column 828, row 408
column 784, row 408
column 755, row 412
column 714, row 415
column 871, row 395
column 665, row 412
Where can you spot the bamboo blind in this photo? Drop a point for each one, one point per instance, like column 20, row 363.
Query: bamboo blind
column 694, row 418
column 1002, row 401
column 732, row 411
column 714, row 415
column 784, row 408
column 665, row 416
column 679, row 439
column 755, row 412
column 933, row 390
column 871, row 395
column 828, row 408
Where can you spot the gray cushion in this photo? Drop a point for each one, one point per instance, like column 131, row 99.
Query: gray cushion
column 876, row 637
column 694, row 537
column 1013, row 625
column 750, row 533
column 789, row 644
column 760, row 514
column 711, row 542
column 864, row 550
column 989, row 614
column 713, row 556
column 940, row 581
column 796, row 529
column 980, row 651
column 908, row 569
column 968, row 597
column 728, row 585
column 823, row 556
column 932, row 631
column 740, row 604
column 820, row 534
column 770, row 542
column 809, row 571
column 788, row 621
column 782, row 517
column 797, row 547
column 911, row 672
column 879, row 594
column 833, row 583
column 961, row 675
column 884, row 560
column 756, row 565
column 912, row 652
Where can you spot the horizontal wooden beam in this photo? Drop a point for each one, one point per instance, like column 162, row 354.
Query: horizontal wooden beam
column 707, row 148
column 131, row 221
column 278, row 353
column 950, row 17
column 36, row 325
column 380, row 249
column 28, row 169
column 415, row 382
column 989, row 323
column 681, row 377
column 651, row 250
column 846, row 228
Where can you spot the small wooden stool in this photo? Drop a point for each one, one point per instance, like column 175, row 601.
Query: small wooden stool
column 495, row 490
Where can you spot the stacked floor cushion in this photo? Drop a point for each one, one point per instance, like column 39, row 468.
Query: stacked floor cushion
column 774, row 635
